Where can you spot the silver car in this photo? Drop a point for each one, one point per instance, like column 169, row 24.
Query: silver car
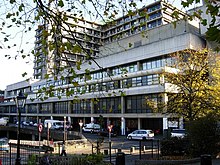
column 141, row 134
column 180, row 133
column 4, row 146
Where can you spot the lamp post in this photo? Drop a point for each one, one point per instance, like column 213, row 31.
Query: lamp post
column 80, row 124
column 20, row 103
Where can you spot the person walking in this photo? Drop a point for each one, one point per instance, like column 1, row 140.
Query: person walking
column 63, row 149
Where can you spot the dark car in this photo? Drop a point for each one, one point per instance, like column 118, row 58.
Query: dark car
column 105, row 132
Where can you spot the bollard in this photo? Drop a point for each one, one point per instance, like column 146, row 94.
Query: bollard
column 206, row 159
column 132, row 149
column 120, row 158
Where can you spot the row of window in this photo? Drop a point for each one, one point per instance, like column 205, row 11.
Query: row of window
column 141, row 81
column 144, row 65
column 133, row 104
column 138, row 81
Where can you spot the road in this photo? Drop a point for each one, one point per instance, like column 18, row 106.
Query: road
column 118, row 141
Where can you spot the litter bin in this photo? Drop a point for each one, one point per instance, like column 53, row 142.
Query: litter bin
column 206, row 159
column 120, row 158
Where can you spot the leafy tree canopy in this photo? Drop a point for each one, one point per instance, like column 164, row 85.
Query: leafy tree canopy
column 196, row 82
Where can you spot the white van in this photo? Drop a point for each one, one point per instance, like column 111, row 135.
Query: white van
column 53, row 124
column 92, row 128
column 3, row 121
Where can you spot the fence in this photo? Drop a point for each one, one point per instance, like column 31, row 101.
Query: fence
column 30, row 148
column 8, row 157
column 149, row 148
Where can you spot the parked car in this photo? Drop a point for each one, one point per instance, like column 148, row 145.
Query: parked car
column 180, row 133
column 4, row 146
column 35, row 124
column 25, row 123
column 141, row 134
column 3, row 121
column 92, row 128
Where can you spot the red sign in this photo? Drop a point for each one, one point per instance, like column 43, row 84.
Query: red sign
column 40, row 128
column 110, row 128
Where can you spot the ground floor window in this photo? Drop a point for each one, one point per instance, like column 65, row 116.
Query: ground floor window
column 139, row 103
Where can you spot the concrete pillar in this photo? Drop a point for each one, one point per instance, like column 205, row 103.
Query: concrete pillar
column 181, row 123
column 165, row 123
column 92, row 119
column 138, row 66
column 92, row 106
column 51, row 108
column 69, row 107
column 69, row 119
column 122, row 104
column 123, row 126
column 38, row 108
column 139, row 123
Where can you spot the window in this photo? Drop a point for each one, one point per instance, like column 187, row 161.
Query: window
column 61, row 107
column 138, row 104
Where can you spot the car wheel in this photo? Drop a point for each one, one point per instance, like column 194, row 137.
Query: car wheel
column 129, row 138
column 143, row 138
column 91, row 131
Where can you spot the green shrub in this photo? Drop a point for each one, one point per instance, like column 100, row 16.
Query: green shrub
column 96, row 159
column 174, row 147
column 32, row 159
column 204, row 135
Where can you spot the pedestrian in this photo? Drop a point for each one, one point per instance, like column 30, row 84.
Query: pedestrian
column 63, row 149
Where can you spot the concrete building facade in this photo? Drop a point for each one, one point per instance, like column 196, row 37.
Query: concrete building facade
column 118, row 90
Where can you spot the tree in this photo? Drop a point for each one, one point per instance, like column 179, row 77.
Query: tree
column 211, row 9
column 196, row 84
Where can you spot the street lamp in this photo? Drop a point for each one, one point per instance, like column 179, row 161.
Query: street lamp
column 20, row 103
column 80, row 124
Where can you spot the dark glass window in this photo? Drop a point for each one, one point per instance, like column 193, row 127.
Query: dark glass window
column 81, row 106
column 61, row 107
column 138, row 104
column 45, row 108
column 32, row 108
column 108, row 105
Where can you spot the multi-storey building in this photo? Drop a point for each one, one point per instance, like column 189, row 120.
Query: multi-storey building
column 90, row 36
column 1, row 96
column 130, row 73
